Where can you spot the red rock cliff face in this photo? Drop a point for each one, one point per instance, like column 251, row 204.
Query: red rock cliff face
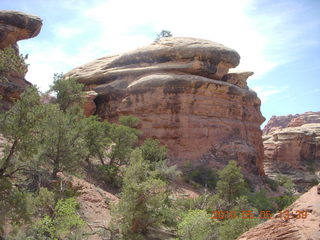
column 16, row 26
column 185, row 96
column 293, row 148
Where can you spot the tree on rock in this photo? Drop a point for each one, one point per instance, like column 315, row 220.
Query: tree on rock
column 163, row 34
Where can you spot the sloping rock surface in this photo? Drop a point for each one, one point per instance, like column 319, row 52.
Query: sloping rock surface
column 279, row 227
column 94, row 206
column 185, row 96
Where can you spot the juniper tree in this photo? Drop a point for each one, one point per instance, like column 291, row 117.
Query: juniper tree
column 11, row 62
column 231, row 183
column 68, row 92
column 163, row 34
column 62, row 143
column 142, row 199
column 20, row 126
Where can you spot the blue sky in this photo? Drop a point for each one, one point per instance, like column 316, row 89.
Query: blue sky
column 277, row 39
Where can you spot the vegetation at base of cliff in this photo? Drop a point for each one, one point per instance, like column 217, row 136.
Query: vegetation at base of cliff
column 11, row 62
column 46, row 139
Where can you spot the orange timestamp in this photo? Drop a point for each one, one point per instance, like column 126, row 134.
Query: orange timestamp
column 223, row 215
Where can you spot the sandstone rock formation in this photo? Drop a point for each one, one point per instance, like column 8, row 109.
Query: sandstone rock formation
column 295, row 147
column 279, row 227
column 185, row 96
column 279, row 122
column 15, row 26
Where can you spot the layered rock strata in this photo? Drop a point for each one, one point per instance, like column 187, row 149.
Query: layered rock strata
column 297, row 120
column 16, row 26
column 293, row 148
column 299, row 221
column 185, row 96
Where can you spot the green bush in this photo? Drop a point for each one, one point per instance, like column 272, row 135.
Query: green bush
column 231, row 182
column 284, row 201
column 196, row 225
column 152, row 150
column 129, row 121
column 273, row 184
column 142, row 199
column 163, row 34
column 202, row 175
column 260, row 201
column 62, row 224
column 10, row 62
column 233, row 228
column 109, row 174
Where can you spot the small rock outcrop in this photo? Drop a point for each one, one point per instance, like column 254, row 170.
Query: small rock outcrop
column 302, row 222
column 95, row 205
column 16, row 26
column 293, row 148
column 185, row 96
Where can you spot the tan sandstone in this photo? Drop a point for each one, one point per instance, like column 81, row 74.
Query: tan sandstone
column 294, row 227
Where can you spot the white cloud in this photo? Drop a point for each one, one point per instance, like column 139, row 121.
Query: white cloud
column 114, row 26
column 265, row 92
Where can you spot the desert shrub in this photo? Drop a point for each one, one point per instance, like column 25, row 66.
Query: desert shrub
column 109, row 174
column 15, row 205
column 166, row 172
column 63, row 223
column 68, row 92
column 260, row 201
column 284, row 201
column 142, row 199
column 163, row 34
column 287, row 183
column 233, row 228
column 152, row 150
column 11, row 62
column 129, row 121
column 20, row 126
column 231, row 182
column 123, row 138
column 202, row 175
column 273, row 184
column 196, row 225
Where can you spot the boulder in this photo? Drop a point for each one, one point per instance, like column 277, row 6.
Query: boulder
column 184, row 95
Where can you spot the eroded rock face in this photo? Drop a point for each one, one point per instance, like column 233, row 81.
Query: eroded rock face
column 277, row 122
column 185, row 96
column 297, row 120
column 294, row 144
column 281, row 228
column 294, row 149
column 16, row 26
